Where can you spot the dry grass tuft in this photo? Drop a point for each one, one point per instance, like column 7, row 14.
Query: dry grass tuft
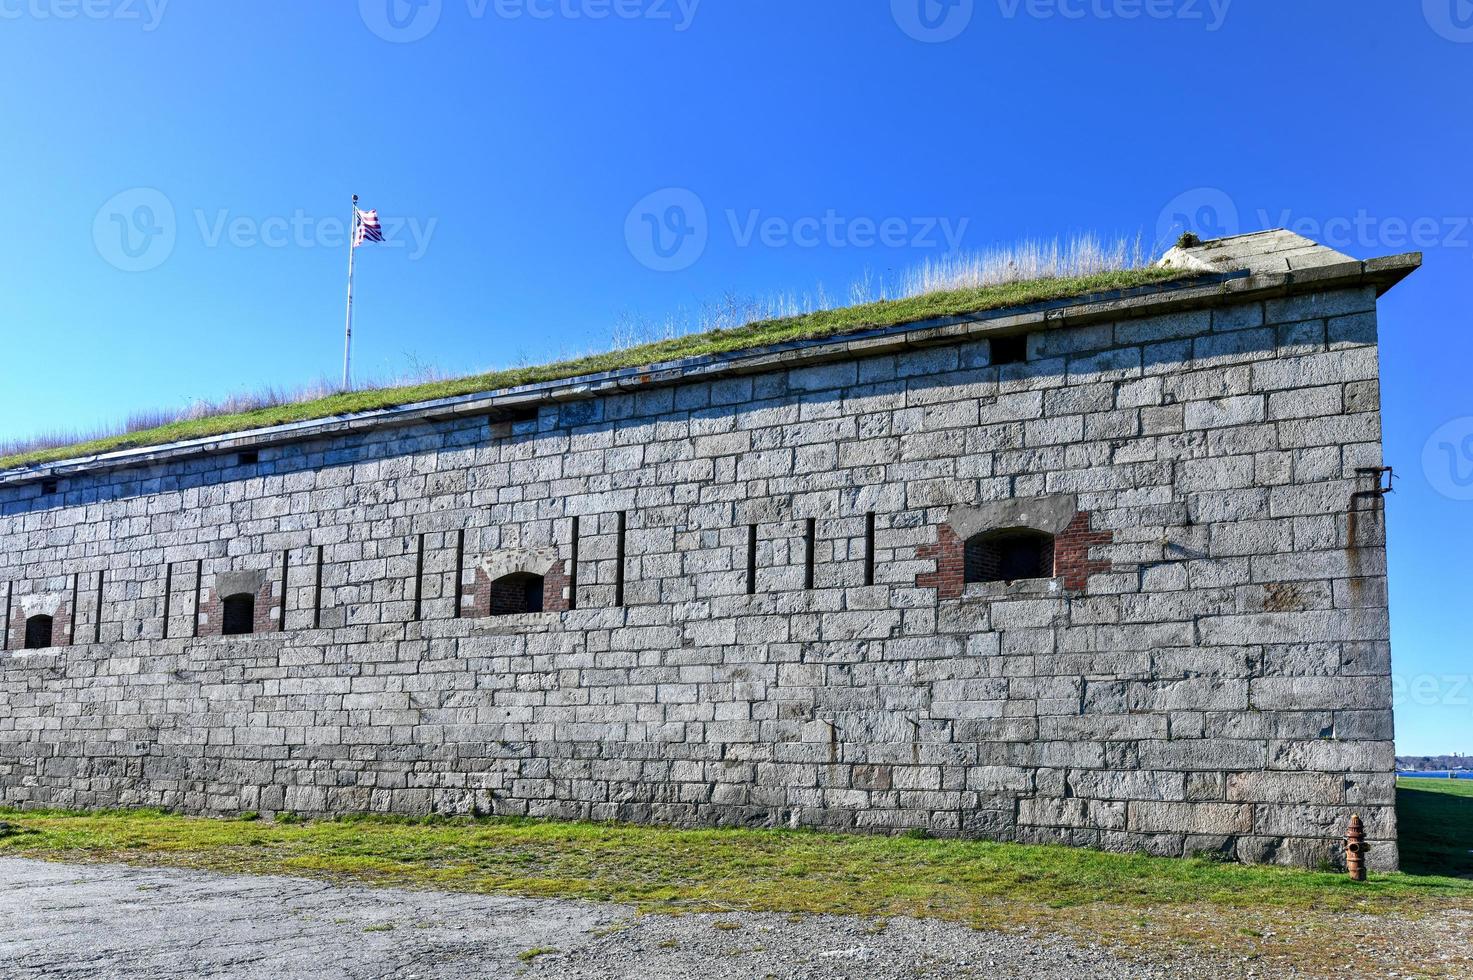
column 1084, row 255
column 961, row 283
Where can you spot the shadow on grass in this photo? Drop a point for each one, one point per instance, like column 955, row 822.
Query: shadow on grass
column 1436, row 826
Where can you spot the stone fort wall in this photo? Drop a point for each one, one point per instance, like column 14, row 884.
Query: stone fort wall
column 1207, row 670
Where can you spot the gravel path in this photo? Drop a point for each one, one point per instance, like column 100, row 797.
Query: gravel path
column 60, row 920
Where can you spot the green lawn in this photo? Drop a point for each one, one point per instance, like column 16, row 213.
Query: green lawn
column 704, row 869
column 1436, row 825
column 1277, row 916
column 820, row 324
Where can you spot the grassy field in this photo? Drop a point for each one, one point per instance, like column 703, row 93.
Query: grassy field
column 703, row 869
column 1134, row 901
column 811, row 325
column 1436, row 817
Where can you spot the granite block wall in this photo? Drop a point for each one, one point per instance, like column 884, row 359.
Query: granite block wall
column 1208, row 670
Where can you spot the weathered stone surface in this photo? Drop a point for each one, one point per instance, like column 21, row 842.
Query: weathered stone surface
column 1217, row 678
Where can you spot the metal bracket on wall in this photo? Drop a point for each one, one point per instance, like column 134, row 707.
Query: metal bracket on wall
column 1378, row 494
column 1389, row 473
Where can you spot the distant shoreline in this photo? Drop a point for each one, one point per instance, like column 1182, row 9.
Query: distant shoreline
column 1434, row 774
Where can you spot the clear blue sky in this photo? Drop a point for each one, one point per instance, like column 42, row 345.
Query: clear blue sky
column 516, row 136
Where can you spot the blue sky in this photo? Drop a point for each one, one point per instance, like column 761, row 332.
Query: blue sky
column 508, row 143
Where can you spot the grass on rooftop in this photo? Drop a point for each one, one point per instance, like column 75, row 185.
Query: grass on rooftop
column 811, row 325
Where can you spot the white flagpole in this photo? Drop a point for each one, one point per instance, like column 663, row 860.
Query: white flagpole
column 348, row 329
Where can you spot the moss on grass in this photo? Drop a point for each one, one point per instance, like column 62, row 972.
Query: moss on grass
column 812, row 325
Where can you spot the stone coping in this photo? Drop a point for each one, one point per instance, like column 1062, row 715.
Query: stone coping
column 1153, row 300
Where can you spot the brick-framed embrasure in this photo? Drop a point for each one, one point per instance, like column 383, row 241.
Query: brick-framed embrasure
column 1073, row 563
column 485, row 596
column 61, row 626
column 987, row 555
column 265, row 616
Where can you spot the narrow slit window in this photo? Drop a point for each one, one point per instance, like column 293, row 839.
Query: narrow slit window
column 97, row 605
column 238, row 616
column 809, row 535
column 286, row 558
column 1010, row 556
column 38, row 632
column 619, row 560
column 459, row 572
column 249, row 457
column 869, row 548
column 751, row 559
column 199, row 577
column 573, row 569
column 419, row 579
column 168, row 595
column 317, row 592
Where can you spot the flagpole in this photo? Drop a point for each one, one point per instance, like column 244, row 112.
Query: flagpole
column 348, row 328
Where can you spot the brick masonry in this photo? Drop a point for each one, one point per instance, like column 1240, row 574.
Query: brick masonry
column 1072, row 560
column 266, row 608
column 484, row 597
column 57, row 609
column 1209, row 669
column 1073, row 549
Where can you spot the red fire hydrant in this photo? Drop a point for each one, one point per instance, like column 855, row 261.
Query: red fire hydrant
column 1356, row 849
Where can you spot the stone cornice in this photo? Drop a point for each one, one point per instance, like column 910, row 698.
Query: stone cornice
column 1155, row 300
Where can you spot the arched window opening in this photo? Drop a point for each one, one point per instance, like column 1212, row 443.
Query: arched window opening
column 38, row 632
column 1010, row 556
column 239, row 617
column 520, row 592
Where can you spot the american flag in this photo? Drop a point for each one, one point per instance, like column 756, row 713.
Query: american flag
column 368, row 230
